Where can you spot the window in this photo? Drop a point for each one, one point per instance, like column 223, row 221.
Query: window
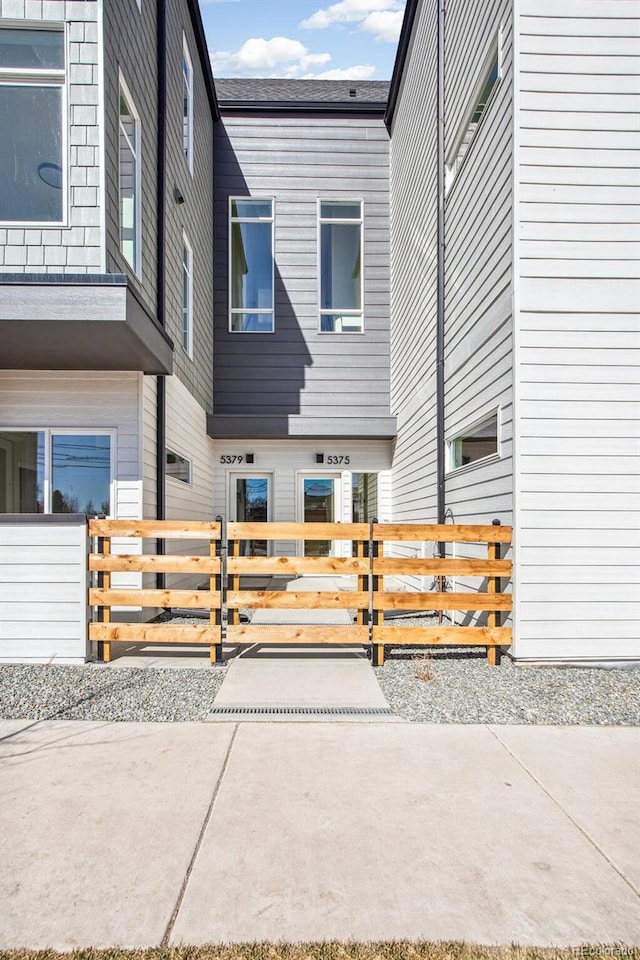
column 177, row 467
column 250, row 496
column 32, row 111
column 479, row 103
column 187, row 104
column 50, row 471
column 129, row 179
column 251, row 266
column 340, row 225
column 477, row 443
column 187, row 296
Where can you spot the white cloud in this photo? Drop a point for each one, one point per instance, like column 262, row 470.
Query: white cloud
column 360, row 71
column 384, row 25
column 382, row 18
column 277, row 57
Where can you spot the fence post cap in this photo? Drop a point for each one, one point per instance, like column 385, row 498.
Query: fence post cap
column 496, row 523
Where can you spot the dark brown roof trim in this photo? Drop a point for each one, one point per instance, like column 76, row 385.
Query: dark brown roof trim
column 401, row 56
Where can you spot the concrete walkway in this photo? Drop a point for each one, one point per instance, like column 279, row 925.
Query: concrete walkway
column 137, row 834
column 290, row 676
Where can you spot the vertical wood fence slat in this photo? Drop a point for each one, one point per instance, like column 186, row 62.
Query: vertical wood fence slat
column 362, row 582
column 106, row 616
column 492, row 616
column 234, row 615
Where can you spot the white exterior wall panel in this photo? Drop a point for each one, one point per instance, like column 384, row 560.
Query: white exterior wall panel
column 577, row 342
column 43, row 592
column 186, row 435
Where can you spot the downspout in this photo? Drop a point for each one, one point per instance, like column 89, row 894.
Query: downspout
column 441, row 505
column 161, row 43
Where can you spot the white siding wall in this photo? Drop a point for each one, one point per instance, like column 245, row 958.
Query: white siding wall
column 478, row 232
column 86, row 401
column 186, row 434
column 413, row 273
column 43, row 592
column 576, row 356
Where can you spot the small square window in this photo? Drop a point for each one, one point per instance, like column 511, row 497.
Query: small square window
column 477, row 443
column 177, row 467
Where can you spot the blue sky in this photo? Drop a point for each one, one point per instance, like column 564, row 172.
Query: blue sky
column 343, row 40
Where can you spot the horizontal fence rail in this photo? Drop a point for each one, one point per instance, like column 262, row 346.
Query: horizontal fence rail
column 368, row 567
column 103, row 597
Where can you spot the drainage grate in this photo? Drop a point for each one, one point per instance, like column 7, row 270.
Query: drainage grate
column 307, row 711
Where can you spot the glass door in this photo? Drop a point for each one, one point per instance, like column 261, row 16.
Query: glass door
column 250, row 504
column 319, row 501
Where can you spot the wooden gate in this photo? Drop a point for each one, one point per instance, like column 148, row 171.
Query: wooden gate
column 482, row 604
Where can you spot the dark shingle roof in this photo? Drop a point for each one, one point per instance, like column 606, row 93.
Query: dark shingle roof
column 271, row 90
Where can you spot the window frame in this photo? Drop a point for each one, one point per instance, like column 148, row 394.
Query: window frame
column 183, row 483
column 261, row 310
column 46, row 77
column 347, row 220
column 187, row 148
column 188, row 272
column 489, row 415
column 49, row 433
column 454, row 163
column 123, row 90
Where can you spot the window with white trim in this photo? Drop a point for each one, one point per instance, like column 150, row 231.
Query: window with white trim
column 55, row 471
column 482, row 96
column 129, row 178
column 479, row 442
column 187, row 104
column 340, row 244
column 177, row 467
column 251, row 265
column 32, row 121
column 187, row 296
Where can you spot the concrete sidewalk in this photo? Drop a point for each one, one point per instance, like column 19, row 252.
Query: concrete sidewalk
column 136, row 834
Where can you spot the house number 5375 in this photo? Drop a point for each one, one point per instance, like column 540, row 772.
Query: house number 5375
column 335, row 459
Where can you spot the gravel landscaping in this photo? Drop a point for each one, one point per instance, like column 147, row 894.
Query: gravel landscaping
column 433, row 686
column 98, row 692
column 453, row 686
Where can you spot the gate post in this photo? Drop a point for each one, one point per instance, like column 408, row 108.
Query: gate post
column 219, row 617
column 376, row 616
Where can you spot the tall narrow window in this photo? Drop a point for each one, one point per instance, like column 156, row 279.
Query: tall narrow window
column 187, row 296
column 340, row 223
column 187, row 104
column 251, row 266
column 32, row 143
column 480, row 100
column 129, row 180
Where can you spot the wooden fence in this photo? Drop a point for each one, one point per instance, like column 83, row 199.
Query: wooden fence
column 369, row 565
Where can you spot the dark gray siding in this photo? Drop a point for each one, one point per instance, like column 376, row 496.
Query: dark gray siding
column 130, row 46
column 296, row 370
column 194, row 216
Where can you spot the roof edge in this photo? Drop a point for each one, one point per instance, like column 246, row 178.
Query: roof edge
column 203, row 55
column 401, row 57
column 230, row 107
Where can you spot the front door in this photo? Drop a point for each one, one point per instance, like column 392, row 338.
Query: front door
column 250, row 496
column 319, row 503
